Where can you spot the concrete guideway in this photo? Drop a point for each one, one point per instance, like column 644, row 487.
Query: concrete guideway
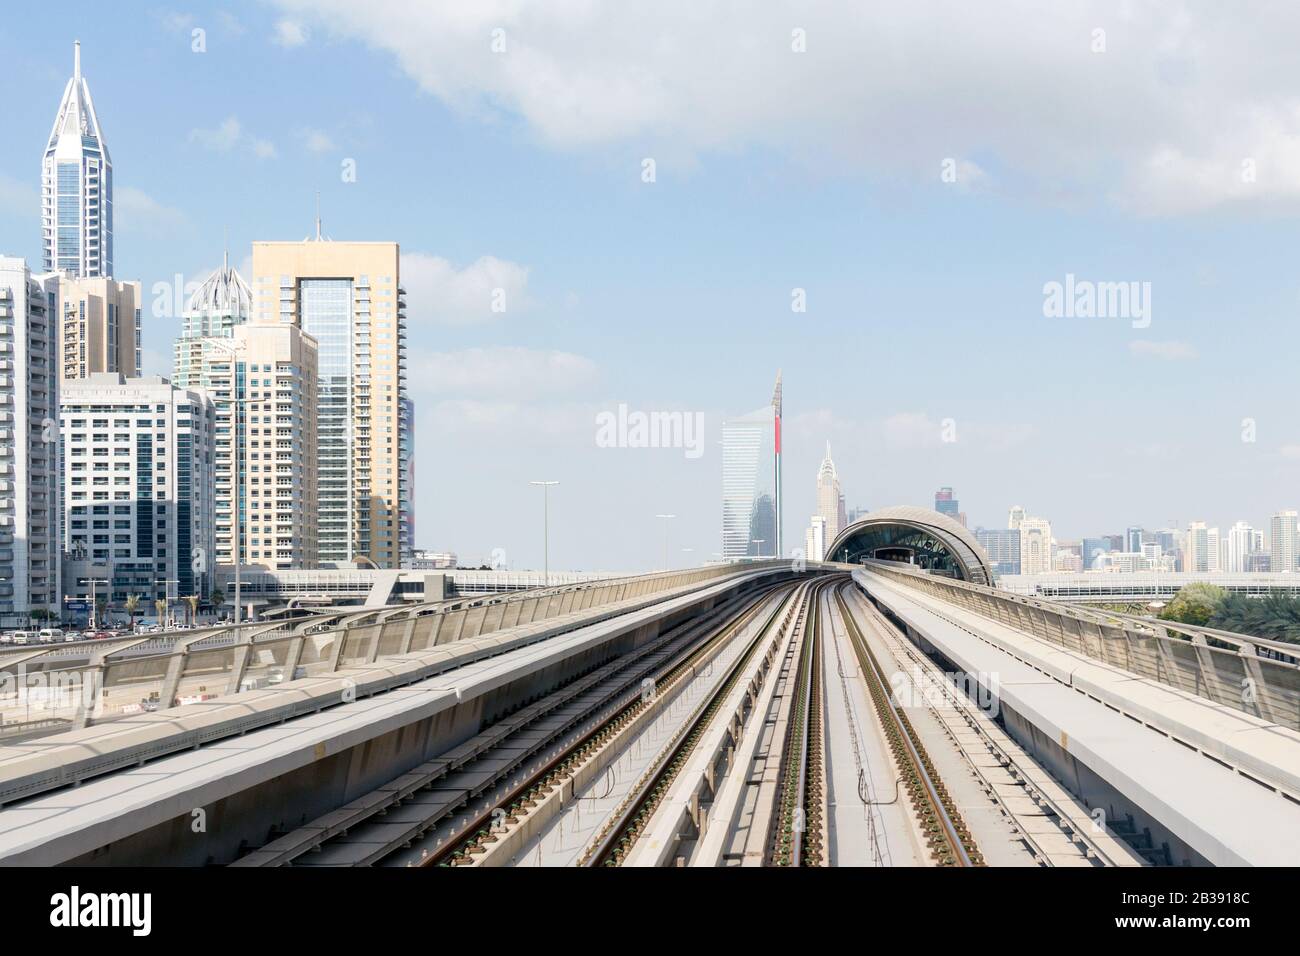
column 1121, row 743
column 1029, row 807
column 385, row 697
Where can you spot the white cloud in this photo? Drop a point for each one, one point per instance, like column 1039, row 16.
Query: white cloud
column 316, row 141
column 510, row 422
column 1160, row 122
column 290, row 33
column 487, row 288
column 137, row 211
column 499, row 372
column 919, row 430
column 1169, row 351
column 229, row 135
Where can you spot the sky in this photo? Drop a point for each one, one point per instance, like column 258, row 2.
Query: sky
column 652, row 191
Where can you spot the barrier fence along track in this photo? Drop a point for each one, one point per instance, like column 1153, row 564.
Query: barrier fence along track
column 949, row 841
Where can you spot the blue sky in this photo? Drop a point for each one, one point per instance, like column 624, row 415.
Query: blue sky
column 775, row 170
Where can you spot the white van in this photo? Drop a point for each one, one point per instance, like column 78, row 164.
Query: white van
column 51, row 635
column 24, row 637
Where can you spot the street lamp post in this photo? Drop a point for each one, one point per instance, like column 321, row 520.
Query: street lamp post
column 167, row 598
column 666, row 519
column 546, row 530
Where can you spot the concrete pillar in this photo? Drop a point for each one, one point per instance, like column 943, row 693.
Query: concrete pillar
column 92, row 680
column 294, row 656
column 239, row 665
column 408, row 634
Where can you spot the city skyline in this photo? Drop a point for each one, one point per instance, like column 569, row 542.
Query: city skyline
column 632, row 308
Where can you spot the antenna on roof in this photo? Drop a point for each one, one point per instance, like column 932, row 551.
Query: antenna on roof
column 318, row 215
column 225, row 248
column 76, row 61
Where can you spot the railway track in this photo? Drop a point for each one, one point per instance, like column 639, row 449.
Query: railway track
column 501, row 816
column 616, row 840
column 566, row 720
column 1048, row 820
column 948, row 839
column 798, row 830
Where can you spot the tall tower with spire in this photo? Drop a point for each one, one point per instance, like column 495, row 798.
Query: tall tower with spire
column 77, row 187
column 776, row 411
column 830, row 498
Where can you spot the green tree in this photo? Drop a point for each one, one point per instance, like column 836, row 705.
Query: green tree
column 1274, row 616
column 132, row 604
column 1194, row 603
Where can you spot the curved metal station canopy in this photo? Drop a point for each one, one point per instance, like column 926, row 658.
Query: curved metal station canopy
column 916, row 536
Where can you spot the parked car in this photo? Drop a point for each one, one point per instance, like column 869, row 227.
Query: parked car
column 24, row 637
column 50, row 635
column 103, row 635
column 6, row 637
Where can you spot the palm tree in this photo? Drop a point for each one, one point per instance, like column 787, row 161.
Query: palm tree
column 193, row 601
column 132, row 604
column 161, row 605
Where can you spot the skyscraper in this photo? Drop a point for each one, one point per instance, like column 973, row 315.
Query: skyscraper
column 830, row 498
column 946, row 504
column 99, row 328
column 815, row 539
column 1003, row 548
column 153, row 525
column 263, row 382
column 1196, row 547
column 1284, row 543
column 1035, row 545
column 223, row 301
column 30, row 567
column 749, row 485
column 77, row 186
column 776, row 413
column 1015, row 516
column 348, row 296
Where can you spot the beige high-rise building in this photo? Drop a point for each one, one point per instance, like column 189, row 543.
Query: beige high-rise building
column 263, row 383
column 1035, row 545
column 830, row 500
column 348, row 296
column 99, row 327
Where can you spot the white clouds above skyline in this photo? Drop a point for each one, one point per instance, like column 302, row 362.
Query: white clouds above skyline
column 1184, row 109
column 488, row 288
column 230, row 134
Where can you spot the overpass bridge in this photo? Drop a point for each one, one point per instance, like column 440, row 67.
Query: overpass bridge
column 866, row 713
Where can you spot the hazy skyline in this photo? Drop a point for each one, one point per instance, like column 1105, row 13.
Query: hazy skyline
column 922, row 174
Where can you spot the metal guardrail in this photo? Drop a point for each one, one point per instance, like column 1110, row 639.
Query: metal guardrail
column 92, row 682
column 1253, row 675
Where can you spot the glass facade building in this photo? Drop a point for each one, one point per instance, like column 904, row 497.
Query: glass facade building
column 749, row 486
column 77, row 187
column 326, row 314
